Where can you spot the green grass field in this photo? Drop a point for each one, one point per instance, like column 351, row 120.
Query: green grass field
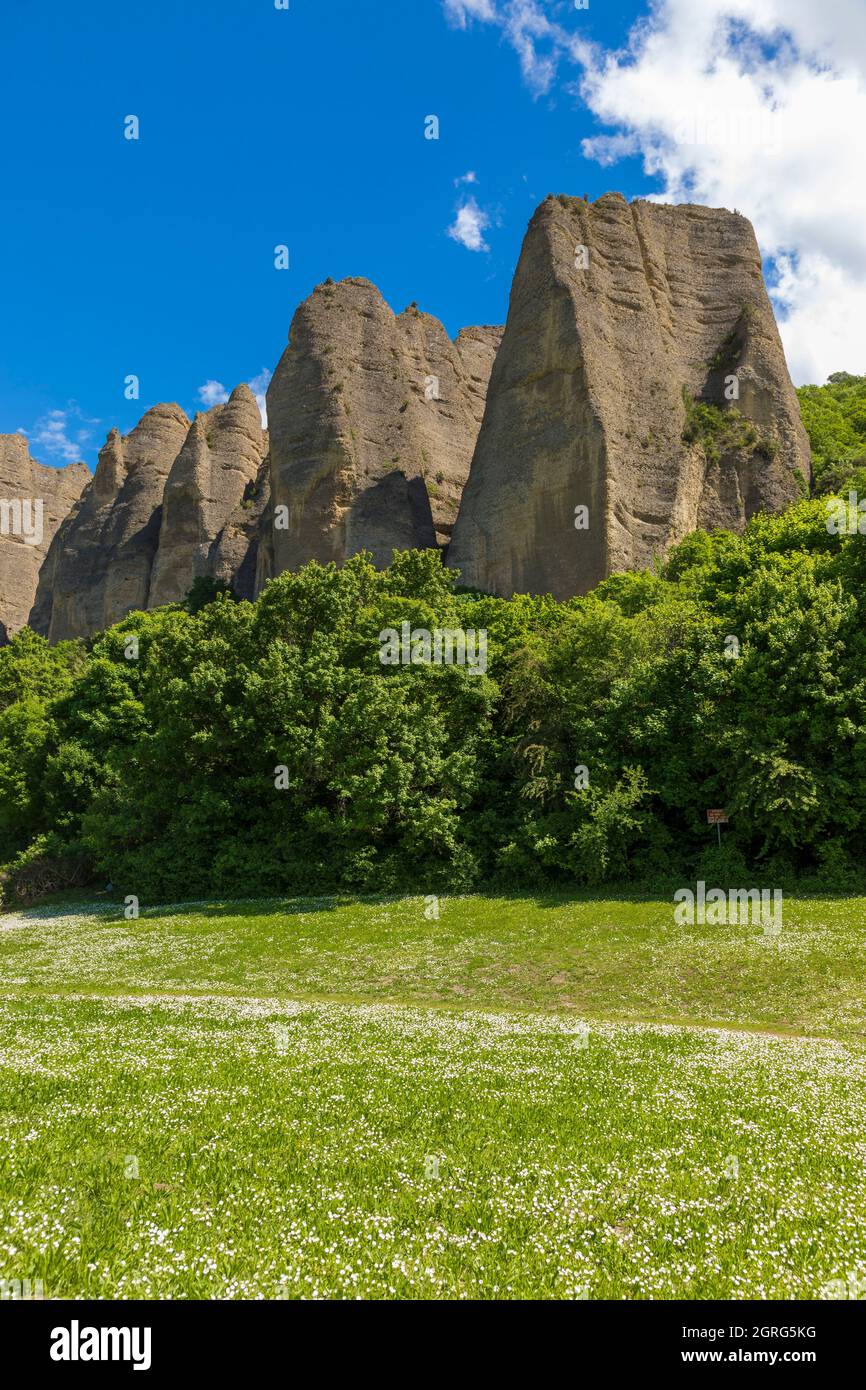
column 526, row 1097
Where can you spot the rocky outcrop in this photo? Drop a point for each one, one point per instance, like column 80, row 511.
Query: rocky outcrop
column 235, row 555
column 373, row 419
column 169, row 502
column 212, row 479
column 34, row 500
column 100, row 562
column 622, row 316
column 639, row 391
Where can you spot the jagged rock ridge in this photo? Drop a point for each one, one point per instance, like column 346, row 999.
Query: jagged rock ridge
column 100, row 562
column 169, row 502
column 622, row 318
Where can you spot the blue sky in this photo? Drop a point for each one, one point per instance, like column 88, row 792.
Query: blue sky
column 260, row 127
column 257, row 127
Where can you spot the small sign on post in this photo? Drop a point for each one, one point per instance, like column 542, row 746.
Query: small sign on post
column 718, row 819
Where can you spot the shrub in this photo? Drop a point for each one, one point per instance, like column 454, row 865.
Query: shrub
column 46, row 866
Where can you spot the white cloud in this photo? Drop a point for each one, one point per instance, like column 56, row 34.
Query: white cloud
column 753, row 104
column 469, row 177
column 825, row 309
column 259, row 385
column 57, row 434
column 760, row 105
column 469, row 225
column 460, row 12
column 527, row 28
column 539, row 41
column 212, row 393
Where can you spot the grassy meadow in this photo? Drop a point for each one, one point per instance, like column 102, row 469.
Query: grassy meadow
column 524, row 1097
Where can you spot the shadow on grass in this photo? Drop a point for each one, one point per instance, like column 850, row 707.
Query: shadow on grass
column 110, row 908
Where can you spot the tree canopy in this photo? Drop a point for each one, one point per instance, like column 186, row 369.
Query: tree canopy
column 240, row 747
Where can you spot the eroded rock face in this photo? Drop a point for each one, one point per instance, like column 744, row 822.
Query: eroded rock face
column 373, row 419
column 212, row 476
column 169, row 502
column 621, row 318
column 100, row 562
column 620, row 315
column 34, row 500
column 235, row 554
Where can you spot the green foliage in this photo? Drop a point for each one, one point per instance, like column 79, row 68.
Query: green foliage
column 835, row 420
column 250, row 748
column 206, row 590
column 720, row 431
column 842, row 478
column 48, row 865
column 34, row 679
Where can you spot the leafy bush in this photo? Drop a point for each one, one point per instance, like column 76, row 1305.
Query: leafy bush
column 47, row 866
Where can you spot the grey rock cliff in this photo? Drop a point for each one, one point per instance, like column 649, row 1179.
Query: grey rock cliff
column 625, row 321
column 169, row 502
column 34, row 500
column 621, row 314
column 99, row 565
column 373, row 419
column 209, row 480
column 235, row 554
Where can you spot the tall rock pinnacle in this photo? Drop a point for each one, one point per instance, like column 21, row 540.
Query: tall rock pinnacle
column 219, row 461
column 638, row 391
column 621, row 316
column 100, row 562
column 372, row 419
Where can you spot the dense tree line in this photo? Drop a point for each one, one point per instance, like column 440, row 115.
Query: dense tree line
column 234, row 748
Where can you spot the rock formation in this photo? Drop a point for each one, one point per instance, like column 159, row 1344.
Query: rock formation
column 373, row 418
column 169, row 502
column 234, row 556
column 100, row 562
column 639, row 391
column 210, row 480
column 33, row 502
column 621, row 317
